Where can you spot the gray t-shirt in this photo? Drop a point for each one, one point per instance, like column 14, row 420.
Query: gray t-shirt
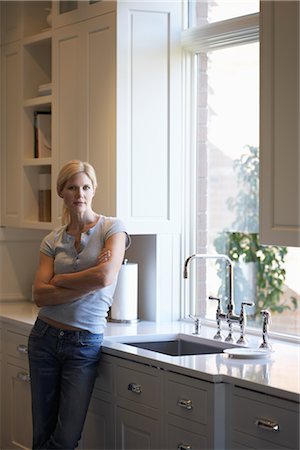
column 90, row 311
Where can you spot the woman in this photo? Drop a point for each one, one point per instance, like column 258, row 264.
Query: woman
column 73, row 287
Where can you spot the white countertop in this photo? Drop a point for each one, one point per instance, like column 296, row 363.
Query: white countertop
column 277, row 375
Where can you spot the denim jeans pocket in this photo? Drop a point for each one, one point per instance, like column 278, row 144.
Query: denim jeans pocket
column 90, row 340
column 39, row 329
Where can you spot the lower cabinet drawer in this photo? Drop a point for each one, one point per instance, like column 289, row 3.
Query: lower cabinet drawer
column 266, row 418
column 138, row 384
column 242, row 441
column 187, row 398
column 180, row 439
column 17, row 346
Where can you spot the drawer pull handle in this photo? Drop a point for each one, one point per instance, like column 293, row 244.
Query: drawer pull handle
column 134, row 387
column 267, row 424
column 23, row 376
column 184, row 447
column 22, row 349
column 186, row 404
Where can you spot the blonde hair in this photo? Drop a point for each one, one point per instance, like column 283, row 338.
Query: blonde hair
column 70, row 169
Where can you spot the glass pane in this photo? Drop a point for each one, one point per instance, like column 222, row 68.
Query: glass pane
column 208, row 11
column 227, row 195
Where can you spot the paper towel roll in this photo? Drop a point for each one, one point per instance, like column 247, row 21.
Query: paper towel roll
column 125, row 303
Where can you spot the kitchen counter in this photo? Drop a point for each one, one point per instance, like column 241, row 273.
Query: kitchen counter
column 277, row 375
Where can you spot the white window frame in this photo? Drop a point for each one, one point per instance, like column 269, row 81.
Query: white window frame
column 226, row 33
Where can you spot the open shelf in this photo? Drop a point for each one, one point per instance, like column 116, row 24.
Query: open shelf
column 31, row 189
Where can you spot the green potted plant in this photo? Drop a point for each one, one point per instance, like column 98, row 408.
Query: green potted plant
column 266, row 263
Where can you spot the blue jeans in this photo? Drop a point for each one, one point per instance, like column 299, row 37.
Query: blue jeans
column 63, row 368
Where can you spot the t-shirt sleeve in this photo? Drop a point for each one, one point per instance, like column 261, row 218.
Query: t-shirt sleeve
column 114, row 226
column 47, row 245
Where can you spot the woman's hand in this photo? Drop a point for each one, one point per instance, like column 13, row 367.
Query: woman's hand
column 104, row 256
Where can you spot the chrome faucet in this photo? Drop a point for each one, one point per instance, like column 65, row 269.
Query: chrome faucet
column 230, row 305
column 230, row 316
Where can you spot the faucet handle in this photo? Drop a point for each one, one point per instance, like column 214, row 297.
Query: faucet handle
column 219, row 315
column 242, row 340
column 266, row 316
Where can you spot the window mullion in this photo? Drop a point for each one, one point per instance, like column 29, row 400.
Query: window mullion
column 230, row 32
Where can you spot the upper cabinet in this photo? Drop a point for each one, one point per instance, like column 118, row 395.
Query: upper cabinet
column 280, row 119
column 104, row 79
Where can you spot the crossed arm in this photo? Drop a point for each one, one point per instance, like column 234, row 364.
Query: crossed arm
column 50, row 289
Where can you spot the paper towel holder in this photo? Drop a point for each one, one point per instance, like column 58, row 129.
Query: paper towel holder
column 114, row 315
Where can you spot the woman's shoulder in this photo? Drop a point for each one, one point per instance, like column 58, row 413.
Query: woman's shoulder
column 111, row 225
column 54, row 236
column 109, row 221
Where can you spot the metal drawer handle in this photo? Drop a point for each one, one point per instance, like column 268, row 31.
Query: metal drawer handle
column 22, row 348
column 184, row 447
column 134, row 387
column 267, row 424
column 186, row 404
column 23, row 376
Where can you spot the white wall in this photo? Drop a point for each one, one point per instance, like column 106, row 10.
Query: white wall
column 19, row 250
column 158, row 259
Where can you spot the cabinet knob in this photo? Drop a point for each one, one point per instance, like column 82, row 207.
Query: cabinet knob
column 23, row 376
column 184, row 447
column 134, row 387
column 186, row 404
column 22, row 349
column 267, row 424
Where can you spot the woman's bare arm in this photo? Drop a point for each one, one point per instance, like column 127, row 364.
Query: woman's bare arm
column 100, row 275
column 50, row 289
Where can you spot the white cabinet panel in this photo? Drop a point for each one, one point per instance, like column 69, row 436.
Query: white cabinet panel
column 280, row 118
column 10, row 134
column 84, row 101
column 149, row 115
column 16, row 399
column 136, row 431
column 263, row 421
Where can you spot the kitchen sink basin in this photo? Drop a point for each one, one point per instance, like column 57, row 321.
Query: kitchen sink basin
column 179, row 347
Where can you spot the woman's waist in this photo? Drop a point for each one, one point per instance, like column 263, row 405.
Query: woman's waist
column 60, row 325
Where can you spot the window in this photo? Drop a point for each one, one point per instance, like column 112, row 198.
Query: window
column 222, row 199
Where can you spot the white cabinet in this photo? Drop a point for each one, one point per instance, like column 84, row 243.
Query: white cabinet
column 115, row 73
column 84, row 102
column 194, row 413
column 116, row 79
column 262, row 421
column 15, row 399
column 26, row 65
column 11, row 120
column 280, row 118
column 138, row 406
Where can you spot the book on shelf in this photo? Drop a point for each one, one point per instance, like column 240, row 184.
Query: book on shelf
column 42, row 134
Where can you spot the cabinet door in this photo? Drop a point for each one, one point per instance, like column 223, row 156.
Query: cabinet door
column 149, row 115
column 10, row 134
column 99, row 430
column 280, row 118
column 84, row 101
column 136, row 431
column 17, row 401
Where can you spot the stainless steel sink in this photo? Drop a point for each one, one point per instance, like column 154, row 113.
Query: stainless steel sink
column 180, row 347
